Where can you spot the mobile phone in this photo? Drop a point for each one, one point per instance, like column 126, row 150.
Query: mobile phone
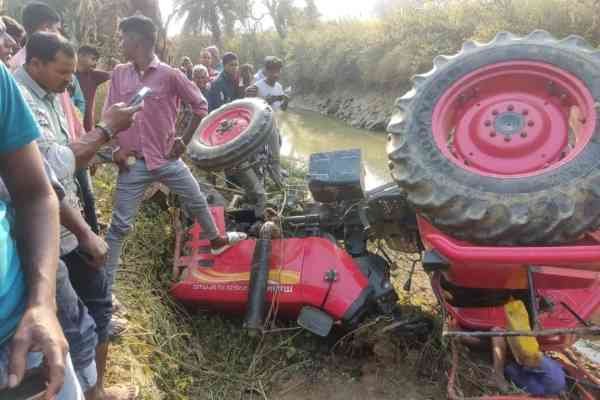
column 139, row 97
column 33, row 387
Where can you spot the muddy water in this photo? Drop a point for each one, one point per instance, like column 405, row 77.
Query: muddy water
column 306, row 132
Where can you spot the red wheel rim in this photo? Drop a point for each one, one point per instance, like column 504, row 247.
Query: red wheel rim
column 514, row 119
column 225, row 127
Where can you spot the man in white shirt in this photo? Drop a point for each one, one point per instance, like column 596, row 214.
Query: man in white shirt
column 272, row 92
column 269, row 87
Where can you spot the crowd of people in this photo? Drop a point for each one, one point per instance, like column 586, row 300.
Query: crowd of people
column 57, row 273
column 222, row 80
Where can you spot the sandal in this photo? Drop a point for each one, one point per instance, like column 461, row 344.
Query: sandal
column 233, row 238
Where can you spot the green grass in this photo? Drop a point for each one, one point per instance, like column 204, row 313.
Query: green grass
column 172, row 354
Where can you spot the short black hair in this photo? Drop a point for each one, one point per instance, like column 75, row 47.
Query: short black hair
column 87, row 50
column 272, row 62
column 13, row 28
column 141, row 25
column 37, row 14
column 229, row 57
column 45, row 46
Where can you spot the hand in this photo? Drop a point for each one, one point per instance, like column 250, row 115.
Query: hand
column 39, row 331
column 252, row 91
column 121, row 158
column 178, row 149
column 94, row 249
column 119, row 116
column 285, row 102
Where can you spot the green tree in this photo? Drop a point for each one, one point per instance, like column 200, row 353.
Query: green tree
column 283, row 13
column 216, row 16
column 311, row 11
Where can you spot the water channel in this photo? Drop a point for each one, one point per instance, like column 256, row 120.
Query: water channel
column 307, row 132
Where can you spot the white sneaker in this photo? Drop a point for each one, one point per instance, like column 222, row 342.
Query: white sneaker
column 233, row 238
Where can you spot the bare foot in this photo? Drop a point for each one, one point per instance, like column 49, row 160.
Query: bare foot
column 118, row 307
column 118, row 326
column 129, row 392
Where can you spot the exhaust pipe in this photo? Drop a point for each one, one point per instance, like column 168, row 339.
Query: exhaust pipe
column 259, row 279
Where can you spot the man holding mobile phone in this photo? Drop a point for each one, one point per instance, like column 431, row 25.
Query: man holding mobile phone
column 28, row 272
column 152, row 140
column 48, row 69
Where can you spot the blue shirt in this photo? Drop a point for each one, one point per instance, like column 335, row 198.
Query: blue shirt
column 77, row 96
column 546, row 380
column 17, row 129
column 222, row 91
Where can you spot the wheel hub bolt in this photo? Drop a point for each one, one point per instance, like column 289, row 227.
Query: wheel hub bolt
column 523, row 134
column 530, row 123
column 525, row 112
column 492, row 134
column 488, row 123
column 510, row 108
column 507, row 139
column 495, row 112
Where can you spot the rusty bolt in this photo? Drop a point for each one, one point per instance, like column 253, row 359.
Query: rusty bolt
column 507, row 139
column 495, row 112
column 523, row 134
column 488, row 123
column 492, row 134
column 530, row 123
column 510, row 107
column 525, row 112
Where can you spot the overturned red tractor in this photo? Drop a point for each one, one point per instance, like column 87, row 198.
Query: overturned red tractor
column 495, row 154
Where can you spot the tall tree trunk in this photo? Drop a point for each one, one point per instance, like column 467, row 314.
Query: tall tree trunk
column 215, row 27
column 279, row 19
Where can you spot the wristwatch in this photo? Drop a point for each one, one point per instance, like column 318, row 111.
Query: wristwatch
column 106, row 130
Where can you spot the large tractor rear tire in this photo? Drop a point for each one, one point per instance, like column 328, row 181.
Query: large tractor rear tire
column 500, row 144
column 232, row 134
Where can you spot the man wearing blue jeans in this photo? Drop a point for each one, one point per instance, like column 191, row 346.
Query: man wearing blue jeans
column 152, row 143
column 28, row 275
column 49, row 67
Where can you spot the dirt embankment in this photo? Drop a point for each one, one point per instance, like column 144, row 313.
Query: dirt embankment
column 371, row 110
